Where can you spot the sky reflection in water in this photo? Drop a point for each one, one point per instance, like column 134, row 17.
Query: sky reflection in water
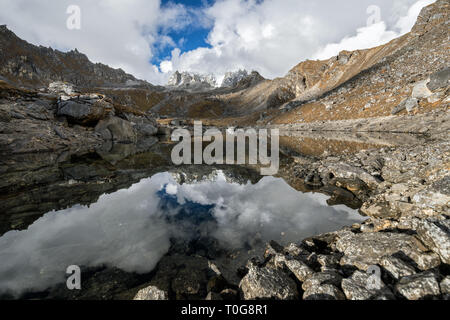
column 131, row 229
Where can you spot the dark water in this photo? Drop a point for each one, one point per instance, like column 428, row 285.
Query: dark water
column 128, row 211
column 131, row 229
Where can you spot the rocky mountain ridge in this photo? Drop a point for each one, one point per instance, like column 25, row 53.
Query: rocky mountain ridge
column 22, row 63
column 360, row 84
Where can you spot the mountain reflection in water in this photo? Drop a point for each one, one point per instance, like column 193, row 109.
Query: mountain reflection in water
column 132, row 229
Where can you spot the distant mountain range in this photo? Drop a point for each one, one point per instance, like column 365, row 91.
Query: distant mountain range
column 357, row 84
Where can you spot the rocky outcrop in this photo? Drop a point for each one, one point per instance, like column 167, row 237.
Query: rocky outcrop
column 402, row 76
column 266, row 283
column 116, row 130
column 25, row 64
column 84, row 109
column 192, row 81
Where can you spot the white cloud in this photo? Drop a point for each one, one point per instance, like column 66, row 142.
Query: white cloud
column 270, row 36
column 131, row 229
column 366, row 37
column 273, row 36
column 375, row 34
column 406, row 23
column 122, row 34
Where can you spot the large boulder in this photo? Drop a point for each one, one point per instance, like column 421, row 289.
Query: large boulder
column 421, row 91
column 266, row 283
column 117, row 130
column 366, row 249
column 358, row 287
column 439, row 79
column 418, row 286
column 435, row 234
column 408, row 104
column 85, row 110
column 324, row 292
column 145, row 125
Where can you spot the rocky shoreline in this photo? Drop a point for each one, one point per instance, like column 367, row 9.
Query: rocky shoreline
column 63, row 145
column 405, row 194
column 403, row 190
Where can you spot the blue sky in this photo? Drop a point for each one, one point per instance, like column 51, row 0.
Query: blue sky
column 189, row 38
column 151, row 39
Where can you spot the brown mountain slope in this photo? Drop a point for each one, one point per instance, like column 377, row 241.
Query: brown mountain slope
column 25, row 64
column 374, row 82
column 358, row 84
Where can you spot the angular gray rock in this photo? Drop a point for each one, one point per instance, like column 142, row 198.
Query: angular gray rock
column 151, row 293
column 299, row 269
column 323, row 292
column 439, row 79
column 322, row 278
column 436, row 235
column 408, row 104
column 265, row 283
column 365, row 249
column 445, row 287
column 146, row 129
column 348, row 172
column 396, row 267
column 120, row 130
column 84, row 111
column 418, row 286
column 421, row 91
column 357, row 287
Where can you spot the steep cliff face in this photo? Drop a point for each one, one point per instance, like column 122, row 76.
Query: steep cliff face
column 25, row 64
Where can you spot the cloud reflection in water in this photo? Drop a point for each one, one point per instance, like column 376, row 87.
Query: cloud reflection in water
column 131, row 229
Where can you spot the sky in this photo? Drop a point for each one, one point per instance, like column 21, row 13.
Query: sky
column 153, row 38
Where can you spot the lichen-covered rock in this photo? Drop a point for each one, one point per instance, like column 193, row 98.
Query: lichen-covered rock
column 321, row 278
column 299, row 269
column 421, row 91
column 396, row 267
column 365, row 249
column 151, row 293
column 445, row 287
column 328, row 262
column 440, row 79
column 323, row 292
column 120, row 130
column 435, row 234
column 358, row 287
column 85, row 111
column 266, row 283
column 418, row 286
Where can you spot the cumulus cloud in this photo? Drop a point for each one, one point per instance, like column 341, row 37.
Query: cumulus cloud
column 130, row 229
column 270, row 36
column 122, row 34
column 273, row 36
column 374, row 34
